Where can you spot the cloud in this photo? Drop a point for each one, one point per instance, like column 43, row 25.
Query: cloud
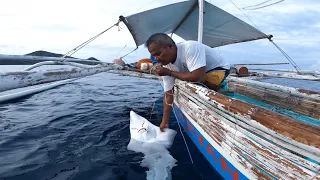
column 60, row 25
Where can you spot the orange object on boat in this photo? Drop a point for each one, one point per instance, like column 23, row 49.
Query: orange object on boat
column 145, row 64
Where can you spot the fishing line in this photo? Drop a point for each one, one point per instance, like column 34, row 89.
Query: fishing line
column 292, row 62
column 185, row 142
column 180, row 129
column 246, row 16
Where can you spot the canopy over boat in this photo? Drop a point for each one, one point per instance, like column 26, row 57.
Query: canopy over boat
column 219, row 27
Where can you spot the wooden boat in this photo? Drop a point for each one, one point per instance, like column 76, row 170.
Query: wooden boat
column 249, row 129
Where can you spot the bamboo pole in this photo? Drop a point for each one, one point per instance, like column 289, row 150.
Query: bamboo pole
column 261, row 64
column 289, row 76
column 13, row 80
column 287, row 70
column 290, row 90
column 32, row 90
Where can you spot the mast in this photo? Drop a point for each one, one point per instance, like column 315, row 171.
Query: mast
column 200, row 25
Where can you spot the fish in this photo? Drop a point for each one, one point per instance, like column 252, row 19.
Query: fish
column 147, row 138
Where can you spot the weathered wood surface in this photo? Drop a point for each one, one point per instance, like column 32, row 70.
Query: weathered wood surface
column 308, row 107
column 241, row 142
column 290, row 90
column 249, row 111
column 286, row 126
column 232, row 122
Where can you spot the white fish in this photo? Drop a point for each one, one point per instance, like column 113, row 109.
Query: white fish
column 148, row 139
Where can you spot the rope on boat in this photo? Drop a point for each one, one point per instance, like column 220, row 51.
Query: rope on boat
column 286, row 55
column 74, row 50
column 121, row 51
column 180, row 129
column 185, row 142
column 142, row 6
column 281, row 50
column 258, row 6
column 129, row 53
column 246, row 16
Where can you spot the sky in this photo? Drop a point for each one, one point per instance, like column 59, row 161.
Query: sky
column 61, row 25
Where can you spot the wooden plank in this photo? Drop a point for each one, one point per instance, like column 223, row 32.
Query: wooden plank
column 294, row 129
column 297, row 104
column 290, row 90
column 249, row 123
column 233, row 140
column 240, row 161
column 232, row 122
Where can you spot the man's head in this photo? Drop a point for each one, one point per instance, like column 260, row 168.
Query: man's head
column 162, row 47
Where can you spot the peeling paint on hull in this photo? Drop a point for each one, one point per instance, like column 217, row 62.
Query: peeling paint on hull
column 252, row 153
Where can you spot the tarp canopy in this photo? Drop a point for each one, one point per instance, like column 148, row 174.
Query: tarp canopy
column 219, row 27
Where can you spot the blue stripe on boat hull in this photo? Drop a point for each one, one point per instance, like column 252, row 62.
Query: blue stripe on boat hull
column 221, row 164
column 280, row 110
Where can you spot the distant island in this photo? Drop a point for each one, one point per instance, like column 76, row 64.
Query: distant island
column 50, row 54
column 29, row 59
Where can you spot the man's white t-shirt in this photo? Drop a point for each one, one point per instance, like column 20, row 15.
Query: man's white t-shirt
column 192, row 55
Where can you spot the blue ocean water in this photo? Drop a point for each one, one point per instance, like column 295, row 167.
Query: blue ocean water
column 81, row 131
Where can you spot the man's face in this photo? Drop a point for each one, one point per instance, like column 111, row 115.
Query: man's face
column 164, row 54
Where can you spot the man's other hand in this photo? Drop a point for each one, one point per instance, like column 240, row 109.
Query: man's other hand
column 119, row 62
column 161, row 71
column 163, row 125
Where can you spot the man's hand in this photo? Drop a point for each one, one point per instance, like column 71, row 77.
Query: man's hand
column 119, row 62
column 161, row 71
column 163, row 125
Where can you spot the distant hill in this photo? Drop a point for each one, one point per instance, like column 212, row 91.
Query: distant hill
column 50, row 54
column 92, row 58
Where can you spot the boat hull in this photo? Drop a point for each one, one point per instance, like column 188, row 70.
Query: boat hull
column 245, row 141
column 220, row 163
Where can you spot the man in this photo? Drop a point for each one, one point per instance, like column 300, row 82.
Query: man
column 188, row 61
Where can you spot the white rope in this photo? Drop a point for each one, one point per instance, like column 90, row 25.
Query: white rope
column 152, row 110
column 185, row 142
